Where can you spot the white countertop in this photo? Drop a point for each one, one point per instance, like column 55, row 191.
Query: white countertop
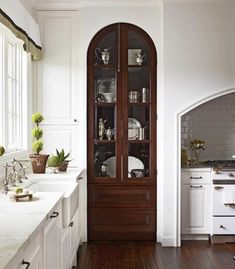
column 19, row 220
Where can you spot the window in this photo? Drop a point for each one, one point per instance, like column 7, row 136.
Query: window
column 13, row 92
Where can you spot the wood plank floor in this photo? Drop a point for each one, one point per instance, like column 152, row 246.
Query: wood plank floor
column 149, row 255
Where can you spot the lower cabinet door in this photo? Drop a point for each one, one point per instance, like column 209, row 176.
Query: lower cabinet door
column 65, row 249
column 74, row 239
column 51, row 239
column 121, row 224
column 196, row 209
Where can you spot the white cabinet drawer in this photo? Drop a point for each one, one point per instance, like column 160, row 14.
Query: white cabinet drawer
column 223, row 225
column 219, row 206
column 195, row 176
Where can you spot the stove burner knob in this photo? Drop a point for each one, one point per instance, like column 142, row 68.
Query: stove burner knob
column 222, row 227
column 231, row 175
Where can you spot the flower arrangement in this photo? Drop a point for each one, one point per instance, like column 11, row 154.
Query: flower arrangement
column 197, row 145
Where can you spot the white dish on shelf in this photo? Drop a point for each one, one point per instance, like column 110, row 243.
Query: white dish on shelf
column 133, row 128
column 133, row 163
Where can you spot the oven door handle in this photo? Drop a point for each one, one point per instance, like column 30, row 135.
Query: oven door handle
column 218, row 188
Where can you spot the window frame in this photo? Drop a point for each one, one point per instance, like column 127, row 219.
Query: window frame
column 21, row 62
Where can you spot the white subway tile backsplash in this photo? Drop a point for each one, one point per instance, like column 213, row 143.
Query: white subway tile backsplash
column 213, row 122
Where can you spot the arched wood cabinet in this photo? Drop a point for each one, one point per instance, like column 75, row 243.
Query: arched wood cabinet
column 121, row 134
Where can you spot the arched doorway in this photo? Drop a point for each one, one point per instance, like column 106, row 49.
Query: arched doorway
column 204, row 108
column 121, row 134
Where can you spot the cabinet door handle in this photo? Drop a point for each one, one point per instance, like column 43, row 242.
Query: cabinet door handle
column 55, row 214
column 195, row 177
column 75, row 120
column 79, row 178
column 71, row 224
column 26, row 263
column 196, row 187
column 222, row 227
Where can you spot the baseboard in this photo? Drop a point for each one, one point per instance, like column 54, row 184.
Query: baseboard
column 168, row 241
column 195, row 237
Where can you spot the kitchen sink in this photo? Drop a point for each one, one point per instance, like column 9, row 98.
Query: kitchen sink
column 70, row 198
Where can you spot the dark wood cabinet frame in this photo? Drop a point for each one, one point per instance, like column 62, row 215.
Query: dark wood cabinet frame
column 121, row 208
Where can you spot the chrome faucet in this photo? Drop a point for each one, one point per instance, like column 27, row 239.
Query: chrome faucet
column 20, row 173
column 8, row 179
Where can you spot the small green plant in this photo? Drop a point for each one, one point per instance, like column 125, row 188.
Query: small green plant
column 37, row 146
column 56, row 160
column 2, row 150
column 37, row 132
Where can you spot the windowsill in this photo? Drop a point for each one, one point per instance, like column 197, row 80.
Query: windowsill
column 7, row 157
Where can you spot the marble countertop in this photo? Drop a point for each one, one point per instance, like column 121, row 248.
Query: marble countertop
column 20, row 220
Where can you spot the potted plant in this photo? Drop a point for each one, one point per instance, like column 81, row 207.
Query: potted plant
column 59, row 160
column 38, row 160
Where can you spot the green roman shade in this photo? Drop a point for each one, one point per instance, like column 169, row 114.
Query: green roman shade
column 29, row 44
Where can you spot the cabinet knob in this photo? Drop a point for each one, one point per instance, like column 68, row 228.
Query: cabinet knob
column 26, row 263
column 222, row 227
column 196, row 187
column 75, row 120
column 71, row 224
column 55, row 214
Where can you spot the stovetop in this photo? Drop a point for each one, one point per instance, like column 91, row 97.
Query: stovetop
column 230, row 164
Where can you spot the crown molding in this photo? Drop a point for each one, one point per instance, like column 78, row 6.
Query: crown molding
column 199, row 1
column 75, row 4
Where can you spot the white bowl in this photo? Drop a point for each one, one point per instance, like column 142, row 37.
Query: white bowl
column 109, row 96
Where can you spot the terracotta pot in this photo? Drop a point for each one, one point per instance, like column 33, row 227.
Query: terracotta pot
column 38, row 162
column 63, row 166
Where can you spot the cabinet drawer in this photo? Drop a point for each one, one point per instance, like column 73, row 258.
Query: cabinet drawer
column 122, row 196
column 224, row 225
column 196, row 177
column 121, row 224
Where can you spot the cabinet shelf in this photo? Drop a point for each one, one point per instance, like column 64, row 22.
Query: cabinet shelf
column 147, row 104
column 105, row 104
column 107, row 66
column 139, row 141
column 97, row 141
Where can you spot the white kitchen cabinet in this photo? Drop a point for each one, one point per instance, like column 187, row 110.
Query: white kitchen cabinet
column 57, row 82
column 65, row 249
column 196, row 209
column 51, row 238
column 30, row 256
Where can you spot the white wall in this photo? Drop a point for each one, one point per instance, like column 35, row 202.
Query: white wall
column 214, row 122
column 197, row 43
column 199, row 61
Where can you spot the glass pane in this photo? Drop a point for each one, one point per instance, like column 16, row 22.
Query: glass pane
column 106, row 50
column 105, row 123
column 138, row 51
column 139, row 84
column 105, row 85
column 138, row 160
column 138, row 123
column 104, row 160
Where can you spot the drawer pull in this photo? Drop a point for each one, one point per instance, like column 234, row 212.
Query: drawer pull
column 195, row 177
column 222, row 227
column 218, row 188
column 55, row 214
column 196, row 187
column 26, row 263
column 71, row 224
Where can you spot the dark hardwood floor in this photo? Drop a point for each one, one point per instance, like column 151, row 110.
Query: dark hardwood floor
column 149, row 255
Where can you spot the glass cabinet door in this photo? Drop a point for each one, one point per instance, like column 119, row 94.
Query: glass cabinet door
column 139, row 108
column 104, row 115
